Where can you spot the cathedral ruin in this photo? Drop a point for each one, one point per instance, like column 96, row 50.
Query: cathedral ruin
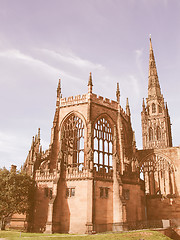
column 93, row 178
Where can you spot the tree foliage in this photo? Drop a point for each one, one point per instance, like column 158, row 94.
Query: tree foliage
column 16, row 194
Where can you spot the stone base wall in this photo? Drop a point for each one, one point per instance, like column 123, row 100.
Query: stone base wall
column 163, row 208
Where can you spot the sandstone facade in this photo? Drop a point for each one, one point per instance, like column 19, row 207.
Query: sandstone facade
column 92, row 177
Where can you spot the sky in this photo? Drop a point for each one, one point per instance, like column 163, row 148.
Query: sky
column 44, row 40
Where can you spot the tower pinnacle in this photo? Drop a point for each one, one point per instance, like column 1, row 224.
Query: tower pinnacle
column 90, row 85
column 118, row 93
column 127, row 107
column 59, row 89
column 59, row 95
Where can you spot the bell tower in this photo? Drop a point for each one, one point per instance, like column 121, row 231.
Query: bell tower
column 156, row 126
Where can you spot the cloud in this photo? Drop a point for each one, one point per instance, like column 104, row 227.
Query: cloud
column 27, row 59
column 72, row 59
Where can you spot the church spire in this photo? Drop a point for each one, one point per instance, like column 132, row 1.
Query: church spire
column 156, row 125
column 153, row 85
column 90, row 85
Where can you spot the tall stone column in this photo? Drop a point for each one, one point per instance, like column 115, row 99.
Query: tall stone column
column 167, row 186
column 156, row 180
column 162, row 182
column 49, row 224
column 117, row 201
column 146, row 178
column 172, row 182
column 90, row 164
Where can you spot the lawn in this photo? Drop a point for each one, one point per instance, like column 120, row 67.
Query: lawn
column 139, row 235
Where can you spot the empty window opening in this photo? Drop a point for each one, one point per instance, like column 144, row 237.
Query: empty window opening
column 103, row 145
column 73, row 142
column 158, row 175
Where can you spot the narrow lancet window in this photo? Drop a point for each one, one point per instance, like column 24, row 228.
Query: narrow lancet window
column 158, row 133
column 153, row 108
column 150, row 134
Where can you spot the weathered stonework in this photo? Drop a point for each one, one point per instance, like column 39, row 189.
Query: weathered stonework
column 92, row 177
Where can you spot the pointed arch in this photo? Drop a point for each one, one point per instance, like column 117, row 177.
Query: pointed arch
column 103, row 143
column 159, row 174
column 73, row 135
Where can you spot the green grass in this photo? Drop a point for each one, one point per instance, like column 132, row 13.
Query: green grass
column 139, row 235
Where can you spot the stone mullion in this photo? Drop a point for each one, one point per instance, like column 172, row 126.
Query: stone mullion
column 156, row 181
column 103, row 148
column 167, row 181
column 98, row 150
column 172, row 181
column 162, row 182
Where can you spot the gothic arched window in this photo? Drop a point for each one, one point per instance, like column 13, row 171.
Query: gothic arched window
column 150, row 134
column 158, row 133
column 73, row 142
column 153, row 108
column 103, row 145
column 158, row 175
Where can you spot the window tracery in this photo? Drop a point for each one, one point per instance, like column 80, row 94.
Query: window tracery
column 73, row 142
column 102, row 145
column 158, row 175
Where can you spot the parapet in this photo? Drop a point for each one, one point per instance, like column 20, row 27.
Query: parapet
column 95, row 99
column 46, row 176
column 104, row 101
column 73, row 100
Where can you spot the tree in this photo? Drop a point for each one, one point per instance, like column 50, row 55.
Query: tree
column 16, row 194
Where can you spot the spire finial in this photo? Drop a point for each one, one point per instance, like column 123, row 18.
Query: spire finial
column 90, row 83
column 118, row 93
column 150, row 37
